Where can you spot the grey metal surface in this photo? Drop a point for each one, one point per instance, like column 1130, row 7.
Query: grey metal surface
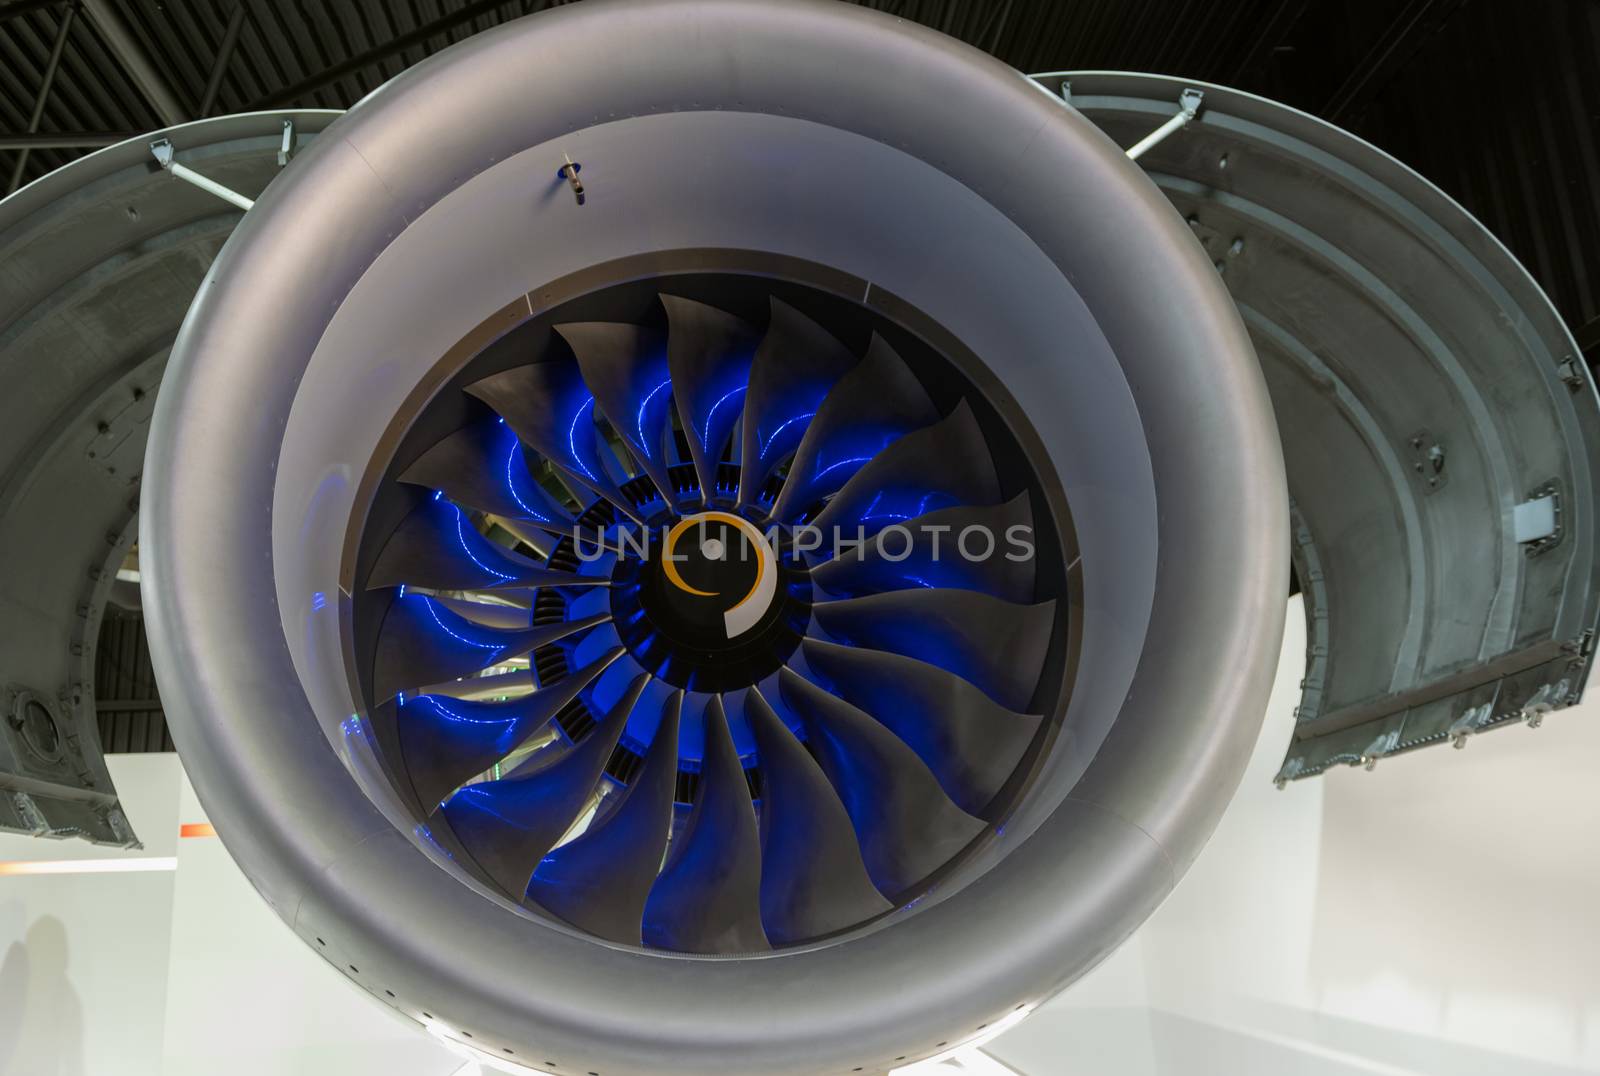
column 98, row 264
column 1424, row 387
column 811, row 131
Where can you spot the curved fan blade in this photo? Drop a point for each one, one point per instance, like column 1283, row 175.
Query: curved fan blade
column 423, row 642
column 445, row 741
column 907, row 826
column 813, row 881
column 518, row 682
column 938, row 466
column 709, row 352
column 600, row 881
column 437, row 547
column 489, row 614
column 997, row 645
column 482, row 466
column 795, row 365
column 971, row 743
column 625, row 366
column 874, row 404
column 708, row 898
column 550, row 408
column 508, row 825
column 935, row 559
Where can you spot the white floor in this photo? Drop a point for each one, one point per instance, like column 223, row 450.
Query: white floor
column 1440, row 915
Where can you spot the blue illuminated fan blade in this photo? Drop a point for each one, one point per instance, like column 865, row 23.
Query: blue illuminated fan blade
column 437, row 547
column 600, row 881
column 709, row 352
column 997, row 645
column 625, row 366
column 550, row 408
column 938, row 466
column 489, row 614
column 907, row 827
column 445, row 741
column 872, row 406
column 508, row 825
column 482, row 466
column 970, row 743
column 934, row 556
column 795, row 365
column 813, row 881
column 495, row 686
column 708, row 898
column 424, row 642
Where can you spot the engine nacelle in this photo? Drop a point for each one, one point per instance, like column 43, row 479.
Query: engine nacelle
column 692, row 278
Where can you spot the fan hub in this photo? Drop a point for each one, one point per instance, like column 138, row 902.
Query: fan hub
column 708, row 602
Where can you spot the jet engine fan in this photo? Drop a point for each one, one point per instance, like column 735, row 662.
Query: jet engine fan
column 491, row 556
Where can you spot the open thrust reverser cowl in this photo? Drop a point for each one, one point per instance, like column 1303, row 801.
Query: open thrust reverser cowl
column 675, row 542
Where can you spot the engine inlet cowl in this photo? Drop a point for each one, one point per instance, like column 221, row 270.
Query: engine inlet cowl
column 545, row 578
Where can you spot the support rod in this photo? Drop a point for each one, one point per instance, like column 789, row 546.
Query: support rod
column 33, row 786
column 45, row 83
column 165, row 156
column 219, row 66
column 1188, row 108
column 125, row 47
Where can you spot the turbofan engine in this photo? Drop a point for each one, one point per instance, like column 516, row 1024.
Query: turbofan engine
column 487, row 542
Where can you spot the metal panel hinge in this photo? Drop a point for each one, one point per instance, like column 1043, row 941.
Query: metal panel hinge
column 1378, row 748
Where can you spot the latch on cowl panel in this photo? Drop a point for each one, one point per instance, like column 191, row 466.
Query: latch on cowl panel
column 1536, row 522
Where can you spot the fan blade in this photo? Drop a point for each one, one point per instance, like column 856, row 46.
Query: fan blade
column 423, row 642
column 435, row 546
column 518, row 682
column 489, row 614
column 939, row 466
column 997, row 645
column 600, row 881
column 445, row 741
column 813, row 881
column 625, row 366
column 708, row 898
column 795, row 365
column 934, row 558
column 549, row 407
column 971, row 743
column 907, row 826
column 873, row 405
column 483, row 466
column 709, row 352
column 508, row 825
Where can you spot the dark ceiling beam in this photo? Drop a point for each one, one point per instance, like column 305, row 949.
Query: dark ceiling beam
column 219, row 66
column 1398, row 43
column 1273, row 32
column 43, row 96
column 125, row 47
column 990, row 41
column 1588, row 338
column 22, row 7
column 294, row 94
column 64, row 139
